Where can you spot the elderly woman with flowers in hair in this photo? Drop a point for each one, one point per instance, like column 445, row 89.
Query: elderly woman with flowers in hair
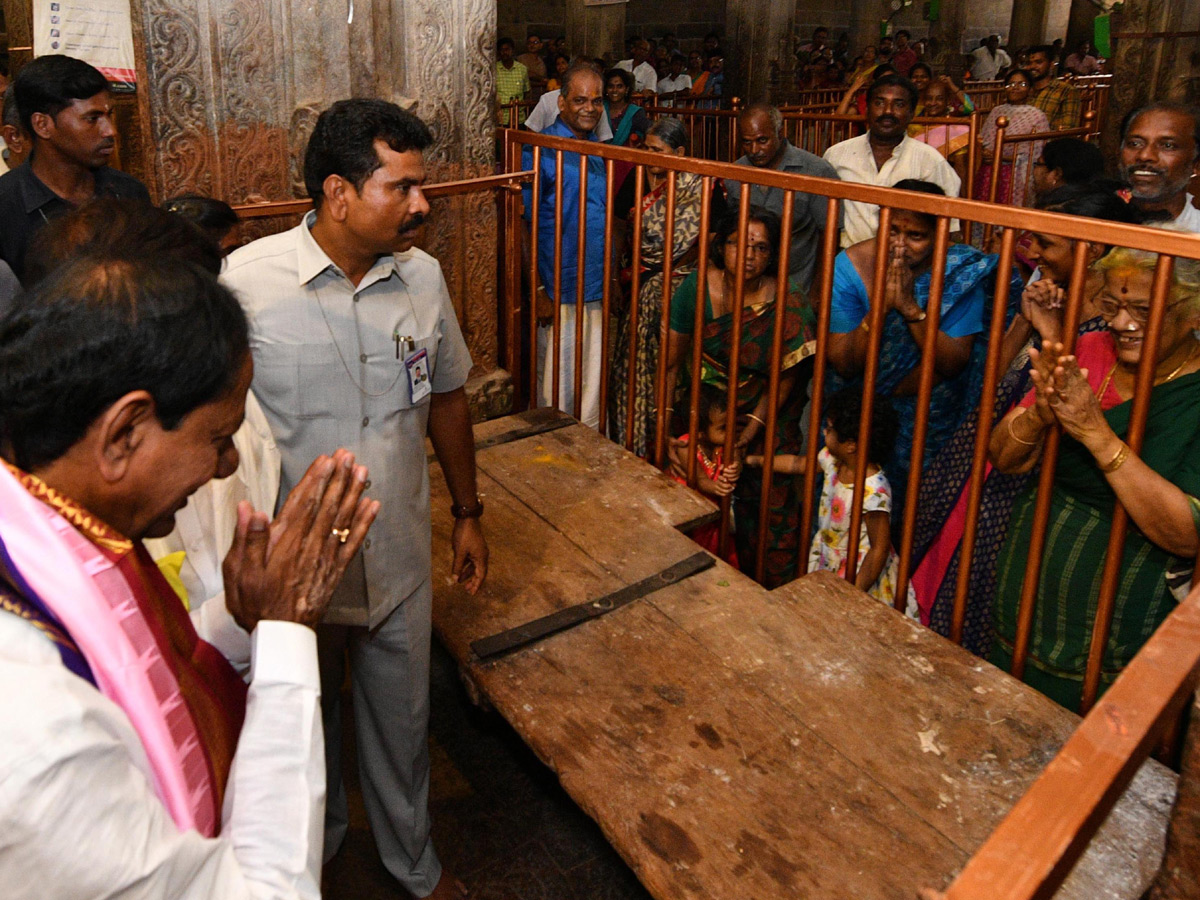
column 1090, row 395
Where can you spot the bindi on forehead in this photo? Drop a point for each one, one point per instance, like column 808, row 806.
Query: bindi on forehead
column 1129, row 279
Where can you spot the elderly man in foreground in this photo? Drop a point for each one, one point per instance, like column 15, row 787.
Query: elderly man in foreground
column 135, row 762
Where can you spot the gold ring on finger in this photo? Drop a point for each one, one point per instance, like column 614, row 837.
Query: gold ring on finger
column 342, row 534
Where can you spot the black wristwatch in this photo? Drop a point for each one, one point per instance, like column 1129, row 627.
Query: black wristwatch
column 467, row 512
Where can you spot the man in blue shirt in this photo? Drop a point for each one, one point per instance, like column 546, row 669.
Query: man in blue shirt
column 580, row 108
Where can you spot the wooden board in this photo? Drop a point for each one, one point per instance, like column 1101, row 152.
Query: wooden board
column 733, row 741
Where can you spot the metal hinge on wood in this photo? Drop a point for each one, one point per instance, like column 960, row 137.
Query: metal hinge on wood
column 515, row 638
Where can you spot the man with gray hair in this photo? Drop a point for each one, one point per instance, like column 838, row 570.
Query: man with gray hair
column 580, row 108
column 1160, row 155
column 764, row 146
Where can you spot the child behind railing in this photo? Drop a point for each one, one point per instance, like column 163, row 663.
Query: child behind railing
column 878, row 565
column 714, row 477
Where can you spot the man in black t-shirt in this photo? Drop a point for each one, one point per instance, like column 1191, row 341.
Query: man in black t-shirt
column 67, row 111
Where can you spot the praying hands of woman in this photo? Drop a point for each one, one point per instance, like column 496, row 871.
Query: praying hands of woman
column 1064, row 393
column 1042, row 304
column 898, row 286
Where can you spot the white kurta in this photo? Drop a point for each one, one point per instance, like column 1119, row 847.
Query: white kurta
column 854, row 161
column 78, row 811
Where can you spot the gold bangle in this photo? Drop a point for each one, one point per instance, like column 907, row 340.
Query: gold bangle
column 1012, row 429
column 1117, row 461
column 865, row 325
column 756, row 419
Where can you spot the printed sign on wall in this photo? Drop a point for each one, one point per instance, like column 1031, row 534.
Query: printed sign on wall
column 97, row 31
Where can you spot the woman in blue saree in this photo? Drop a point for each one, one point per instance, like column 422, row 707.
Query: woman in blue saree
column 961, row 347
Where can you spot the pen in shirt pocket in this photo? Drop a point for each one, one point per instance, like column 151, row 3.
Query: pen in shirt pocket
column 406, row 339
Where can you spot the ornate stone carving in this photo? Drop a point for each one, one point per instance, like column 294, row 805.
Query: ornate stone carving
column 235, row 88
column 253, row 116
column 462, row 236
column 455, row 92
column 1147, row 68
column 177, row 55
column 304, row 120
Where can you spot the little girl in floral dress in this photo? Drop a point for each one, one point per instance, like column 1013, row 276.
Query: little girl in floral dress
column 878, row 564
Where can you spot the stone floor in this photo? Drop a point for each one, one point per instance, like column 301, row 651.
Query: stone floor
column 501, row 823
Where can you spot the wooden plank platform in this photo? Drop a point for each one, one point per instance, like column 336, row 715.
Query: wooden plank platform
column 736, row 742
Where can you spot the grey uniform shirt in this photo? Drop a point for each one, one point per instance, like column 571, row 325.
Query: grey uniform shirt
column 327, row 376
column 808, row 210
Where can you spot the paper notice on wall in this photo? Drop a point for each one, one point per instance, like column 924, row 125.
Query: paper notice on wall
column 96, row 31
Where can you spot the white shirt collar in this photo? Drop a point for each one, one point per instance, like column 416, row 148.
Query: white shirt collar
column 311, row 260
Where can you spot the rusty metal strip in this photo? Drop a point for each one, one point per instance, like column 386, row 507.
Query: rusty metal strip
column 540, row 421
column 549, row 423
column 515, row 638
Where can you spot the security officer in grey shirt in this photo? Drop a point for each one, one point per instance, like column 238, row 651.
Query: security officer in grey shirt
column 356, row 344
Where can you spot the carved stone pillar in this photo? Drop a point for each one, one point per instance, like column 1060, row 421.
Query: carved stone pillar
column 945, row 36
column 596, row 30
column 1028, row 25
column 232, row 89
column 449, row 66
column 1148, row 66
column 758, row 37
column 864, row 23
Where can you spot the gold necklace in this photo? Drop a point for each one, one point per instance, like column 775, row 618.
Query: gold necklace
column 1174, row 373
column 1179, row 368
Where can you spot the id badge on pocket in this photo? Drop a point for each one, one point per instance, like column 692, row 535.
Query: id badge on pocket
column 417, row 366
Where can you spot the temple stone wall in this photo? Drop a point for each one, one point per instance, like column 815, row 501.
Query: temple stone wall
column 1038, row 22
column 519, row 18
column 1149, row 67
column 688, row 21
column 232, row 89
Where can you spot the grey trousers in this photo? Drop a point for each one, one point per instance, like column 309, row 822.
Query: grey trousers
column 389, row 675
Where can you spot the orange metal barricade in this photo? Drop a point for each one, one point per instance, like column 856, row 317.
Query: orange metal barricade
column 712, row 133
column 1026, row 147
column 1075, row 792
column 1157, row 696
column 1010, row 221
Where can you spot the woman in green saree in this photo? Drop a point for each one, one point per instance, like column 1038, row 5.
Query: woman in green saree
column 1090, row 394
column 758, row 326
